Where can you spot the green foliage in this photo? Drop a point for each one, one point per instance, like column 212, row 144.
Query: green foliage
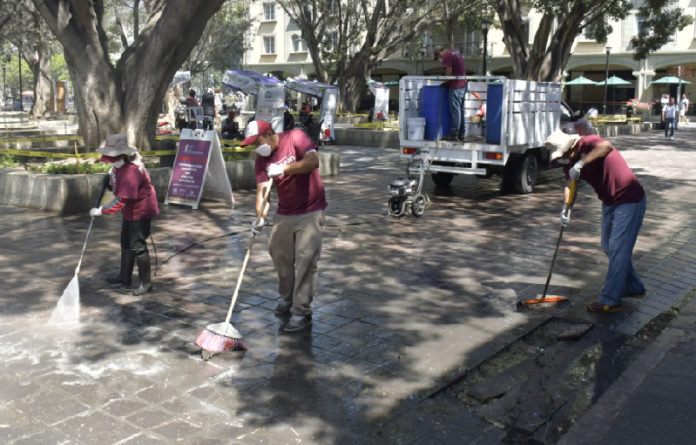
column 8, row 161
column 73, row 169
column 662, row 19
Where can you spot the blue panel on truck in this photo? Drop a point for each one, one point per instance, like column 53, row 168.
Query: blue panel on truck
column 435, row 110
column 494, row 112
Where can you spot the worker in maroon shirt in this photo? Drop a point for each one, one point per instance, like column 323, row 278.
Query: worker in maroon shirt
column 135, row 198
column 290, row 160
column 454, row 66
column 597, row 162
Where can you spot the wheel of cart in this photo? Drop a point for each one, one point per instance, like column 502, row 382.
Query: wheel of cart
column 521, row 173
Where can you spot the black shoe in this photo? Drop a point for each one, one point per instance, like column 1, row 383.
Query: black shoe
column 283, row 308
column 297, row 323
column 450, row 137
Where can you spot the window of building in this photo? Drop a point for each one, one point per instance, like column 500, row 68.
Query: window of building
column 269, row 45
column 269, row 11
column 333, row 7
column 331, row 41
column 298, row 44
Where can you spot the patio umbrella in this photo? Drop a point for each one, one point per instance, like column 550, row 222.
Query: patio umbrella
column 614, row 81
column 669, row 80
column 581, row 81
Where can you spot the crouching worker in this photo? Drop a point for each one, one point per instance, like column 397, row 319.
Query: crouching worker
column 135, row 198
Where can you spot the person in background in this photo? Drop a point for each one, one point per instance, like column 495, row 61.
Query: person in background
column 209, row 109
column 455, row 66
column 288, row 119
column 230, row 128
column 290, row 160
column 669, row 116
column 597, row 162
column 191, row 100
column 683, row 108
column 135, row 198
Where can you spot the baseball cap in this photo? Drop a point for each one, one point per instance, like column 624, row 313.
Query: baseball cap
column 253, row 130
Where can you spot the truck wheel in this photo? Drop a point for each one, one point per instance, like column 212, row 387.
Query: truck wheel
column 442, row 179
column 526, row 174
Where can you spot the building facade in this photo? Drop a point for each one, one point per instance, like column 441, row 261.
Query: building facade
column 276, row 46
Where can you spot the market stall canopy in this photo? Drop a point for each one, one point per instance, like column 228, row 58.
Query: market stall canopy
column 248, row 81
column 581, row 81
column 615, row 81
column 669, row 80
column 309, row 87
column 180, row 77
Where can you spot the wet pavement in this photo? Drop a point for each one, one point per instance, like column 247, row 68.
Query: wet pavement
column 405, row 309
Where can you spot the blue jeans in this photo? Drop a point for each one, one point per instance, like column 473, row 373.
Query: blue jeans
column 456, row 105
column 669, row 125
column 620, row 226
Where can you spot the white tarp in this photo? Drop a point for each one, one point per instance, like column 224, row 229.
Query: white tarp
column 180, row 77
column 329, row 101
column 269, row 93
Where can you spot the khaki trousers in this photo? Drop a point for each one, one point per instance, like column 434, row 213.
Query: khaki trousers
column 295, row 246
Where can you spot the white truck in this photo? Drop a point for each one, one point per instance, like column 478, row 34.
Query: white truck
column 507, row 122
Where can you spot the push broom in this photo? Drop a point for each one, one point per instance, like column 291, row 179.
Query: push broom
column 222, row 337
column 553, row 298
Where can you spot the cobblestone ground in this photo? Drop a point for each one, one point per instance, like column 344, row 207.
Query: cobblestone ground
column 404, row 306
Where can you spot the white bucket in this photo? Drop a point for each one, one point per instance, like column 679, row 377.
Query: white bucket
column 416, row 128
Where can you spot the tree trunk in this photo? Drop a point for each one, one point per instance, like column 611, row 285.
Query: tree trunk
column 126, row 97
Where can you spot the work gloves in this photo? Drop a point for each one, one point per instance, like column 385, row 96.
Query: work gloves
column 257, row 225
column 565, row 215
column 574, row 172
column 95, row 211
column 275, row 170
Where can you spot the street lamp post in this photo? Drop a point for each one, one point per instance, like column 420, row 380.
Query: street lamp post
column 4, row 86
column 606, row 80
column 421, row 50
column 485, row 26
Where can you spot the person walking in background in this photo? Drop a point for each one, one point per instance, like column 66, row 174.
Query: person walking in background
column 596, row 161
column 455, row 66
column 135, row 198
column 683, row 108
column 209, row 109
column 290, row 160
column 669, row 116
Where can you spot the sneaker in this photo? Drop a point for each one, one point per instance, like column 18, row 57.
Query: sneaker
column 297, row 323
column 601, row 307
column 671, row 138
column 283, row 308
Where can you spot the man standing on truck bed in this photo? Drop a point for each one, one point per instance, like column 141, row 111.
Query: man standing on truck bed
column 454, row 66
column 596, row 161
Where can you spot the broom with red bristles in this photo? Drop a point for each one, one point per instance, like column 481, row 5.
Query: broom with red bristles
column 222, row 337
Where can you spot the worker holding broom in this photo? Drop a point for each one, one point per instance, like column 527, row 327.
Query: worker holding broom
column 291, row 161
column 135, row 198
column 596, row 161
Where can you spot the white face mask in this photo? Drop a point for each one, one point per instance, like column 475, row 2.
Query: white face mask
column 119, row 163
column 264, row 150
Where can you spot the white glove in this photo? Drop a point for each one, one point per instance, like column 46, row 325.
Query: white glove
column 565, row 216
column 256, row 226
column 95, row 211
column 274, row 170
column 574, row 172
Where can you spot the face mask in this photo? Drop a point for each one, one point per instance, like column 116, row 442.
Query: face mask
column 264, row 150
column 119, row 163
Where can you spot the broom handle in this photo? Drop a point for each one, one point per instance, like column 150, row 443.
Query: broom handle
column 246, row 260
column 569, row 204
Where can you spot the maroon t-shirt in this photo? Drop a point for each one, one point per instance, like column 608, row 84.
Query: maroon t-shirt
column 611, row 177
column 132, row 185
column 297, row 193
column 455, row 60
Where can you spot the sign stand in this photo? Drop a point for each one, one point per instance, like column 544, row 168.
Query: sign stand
column 198, row 162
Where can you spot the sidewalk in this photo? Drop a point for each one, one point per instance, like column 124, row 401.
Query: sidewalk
column 405, row 307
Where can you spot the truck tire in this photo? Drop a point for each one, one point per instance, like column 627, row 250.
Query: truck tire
column 526, row 173
column 442, row 179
